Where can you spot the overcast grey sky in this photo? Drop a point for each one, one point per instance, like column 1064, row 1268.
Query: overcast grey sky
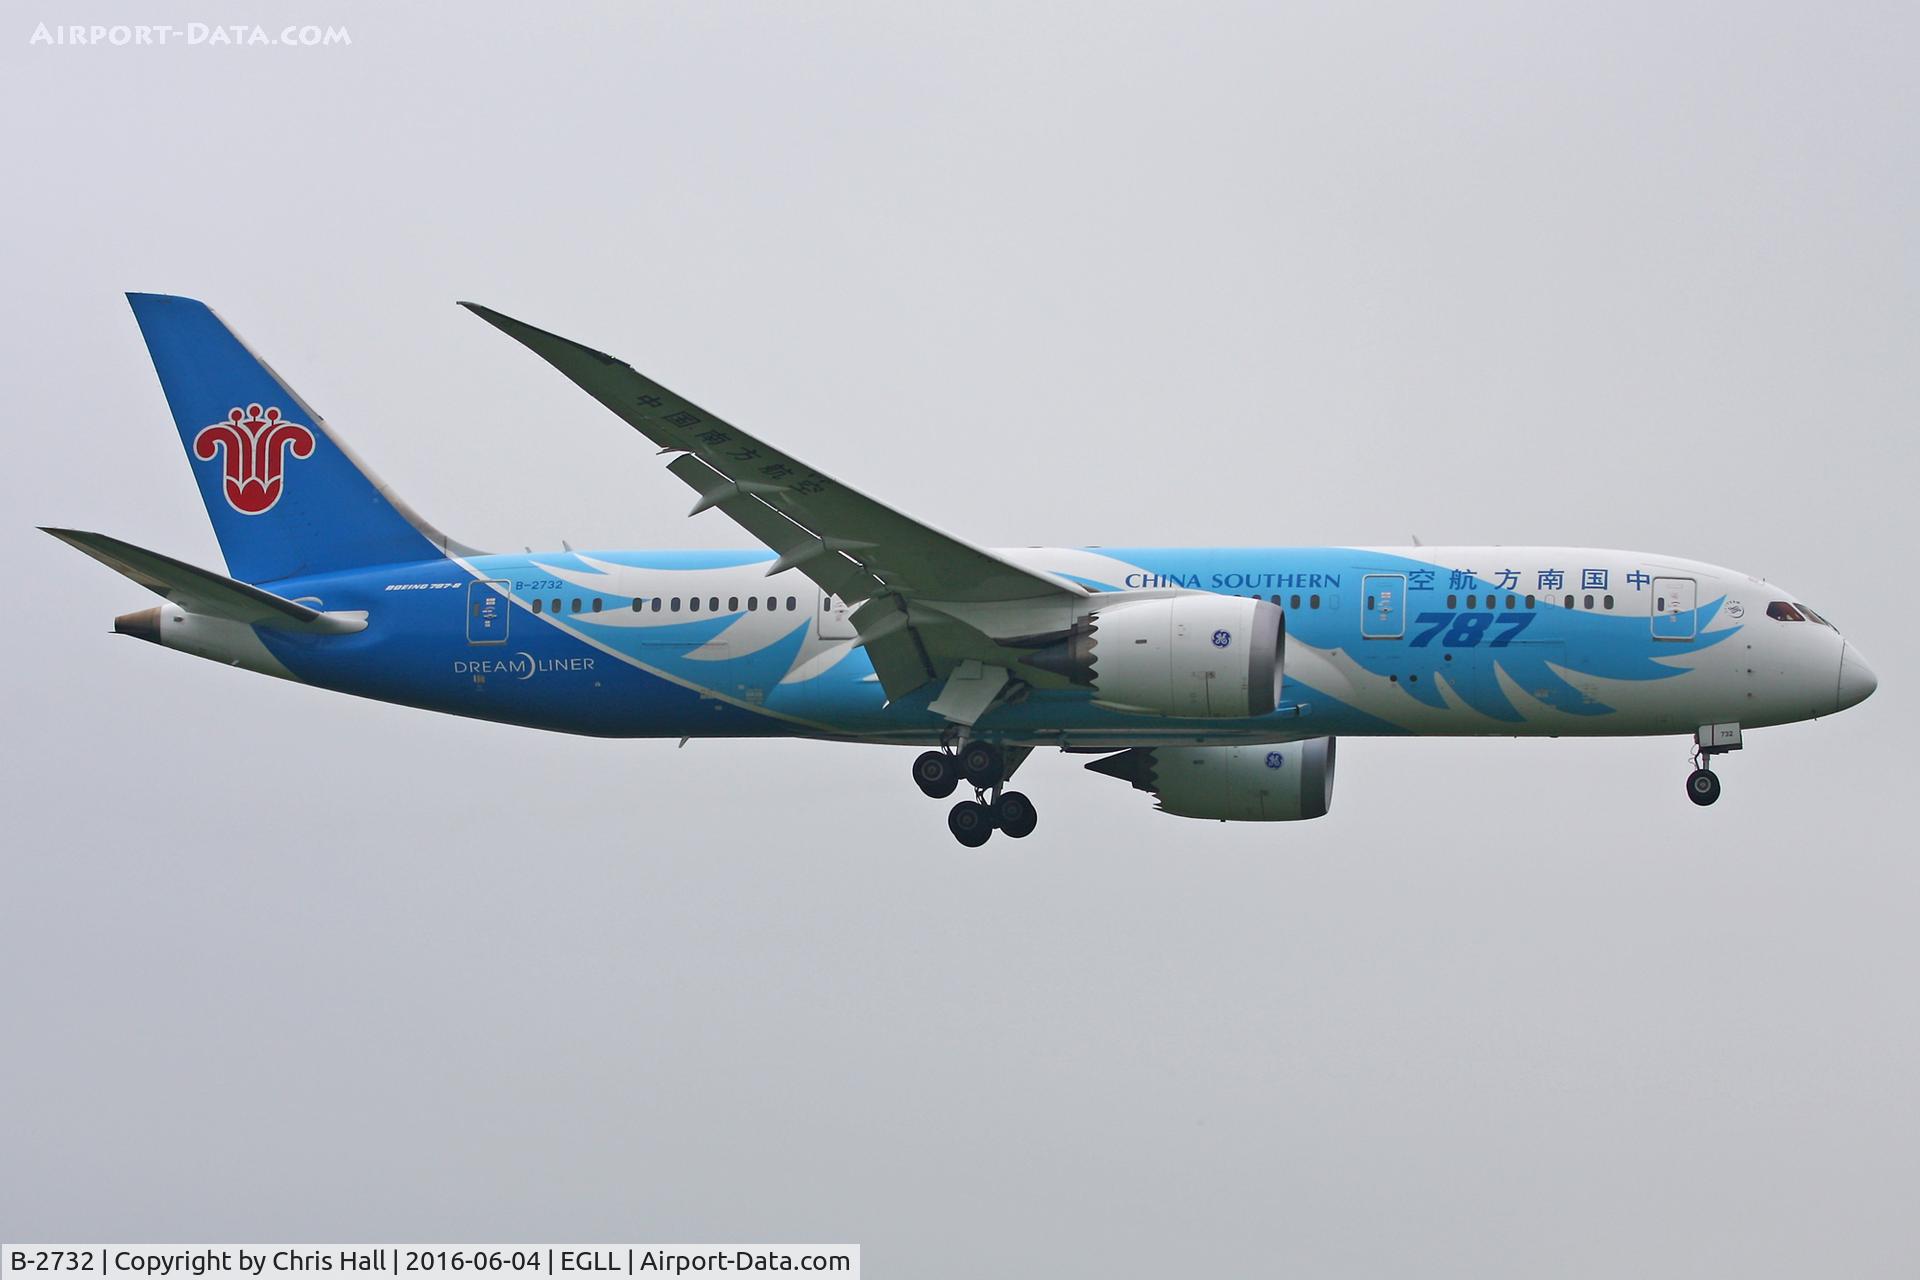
column 280, row 964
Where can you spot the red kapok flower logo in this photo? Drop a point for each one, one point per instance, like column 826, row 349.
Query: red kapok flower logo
column 254, row 444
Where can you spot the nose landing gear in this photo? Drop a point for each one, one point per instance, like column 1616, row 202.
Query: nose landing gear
column 1703, row 784
column 986, row 768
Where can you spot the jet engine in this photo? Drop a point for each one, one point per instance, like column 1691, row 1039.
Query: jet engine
column 1199, row 655
column 1232, row 784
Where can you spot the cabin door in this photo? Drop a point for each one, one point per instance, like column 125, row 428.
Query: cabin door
column 1384, row 597
column 1673, row 608
column 488, row 613
column 833, row 619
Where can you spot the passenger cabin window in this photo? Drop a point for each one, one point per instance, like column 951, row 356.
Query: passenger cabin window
column 556, row 604
column 1784, row 612
column 1313, row 602
column 638, row 604
column 675, row 606
column 536, row 606
column 793, row 604
column 1294, row 602
column 1607, row 601
column 753, row 602
column 733, row 604
column 656, row 604
column 576, row 604
column 596, row 604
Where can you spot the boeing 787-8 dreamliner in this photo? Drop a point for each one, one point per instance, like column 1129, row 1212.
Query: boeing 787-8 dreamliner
column 1215, row 678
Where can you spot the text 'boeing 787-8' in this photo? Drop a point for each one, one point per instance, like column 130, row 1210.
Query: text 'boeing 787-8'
column 1215, row 678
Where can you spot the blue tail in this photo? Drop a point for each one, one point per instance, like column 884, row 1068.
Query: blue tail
column 286, row 498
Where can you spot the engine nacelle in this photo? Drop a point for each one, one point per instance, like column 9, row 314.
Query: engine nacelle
column 1200, row 655
column 1283, row 783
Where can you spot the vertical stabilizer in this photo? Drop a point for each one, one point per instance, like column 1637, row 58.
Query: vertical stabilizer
column 286, row 497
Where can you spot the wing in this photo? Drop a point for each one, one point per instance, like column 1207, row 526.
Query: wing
column 923, row 589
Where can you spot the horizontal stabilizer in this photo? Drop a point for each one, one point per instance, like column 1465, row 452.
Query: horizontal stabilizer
column 204, row 592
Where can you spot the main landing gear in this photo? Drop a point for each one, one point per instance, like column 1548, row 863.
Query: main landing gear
column 1703, row 784
column 986, row 768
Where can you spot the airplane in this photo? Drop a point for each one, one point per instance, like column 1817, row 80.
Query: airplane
column 1216, row 679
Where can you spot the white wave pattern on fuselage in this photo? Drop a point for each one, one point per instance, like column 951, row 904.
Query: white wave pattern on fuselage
column 749, row 632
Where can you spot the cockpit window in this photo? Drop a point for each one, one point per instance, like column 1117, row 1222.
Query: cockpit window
column 1811, row 616
column 1784, row 612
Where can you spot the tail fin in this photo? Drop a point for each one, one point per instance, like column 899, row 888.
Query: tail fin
column 286, row 497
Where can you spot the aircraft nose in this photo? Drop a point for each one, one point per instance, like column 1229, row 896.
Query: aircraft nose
column 1857, row 680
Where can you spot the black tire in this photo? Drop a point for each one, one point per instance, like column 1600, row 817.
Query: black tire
column 1703, row 786
column 1014, row 814
column 936, row 774
column 971, row 823
column 980, row 763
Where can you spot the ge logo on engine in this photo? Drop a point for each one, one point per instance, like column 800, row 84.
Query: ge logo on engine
column 1275, row 760
column 1221, row 639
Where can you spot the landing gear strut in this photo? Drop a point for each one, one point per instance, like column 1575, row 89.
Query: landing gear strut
column 986, row 768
